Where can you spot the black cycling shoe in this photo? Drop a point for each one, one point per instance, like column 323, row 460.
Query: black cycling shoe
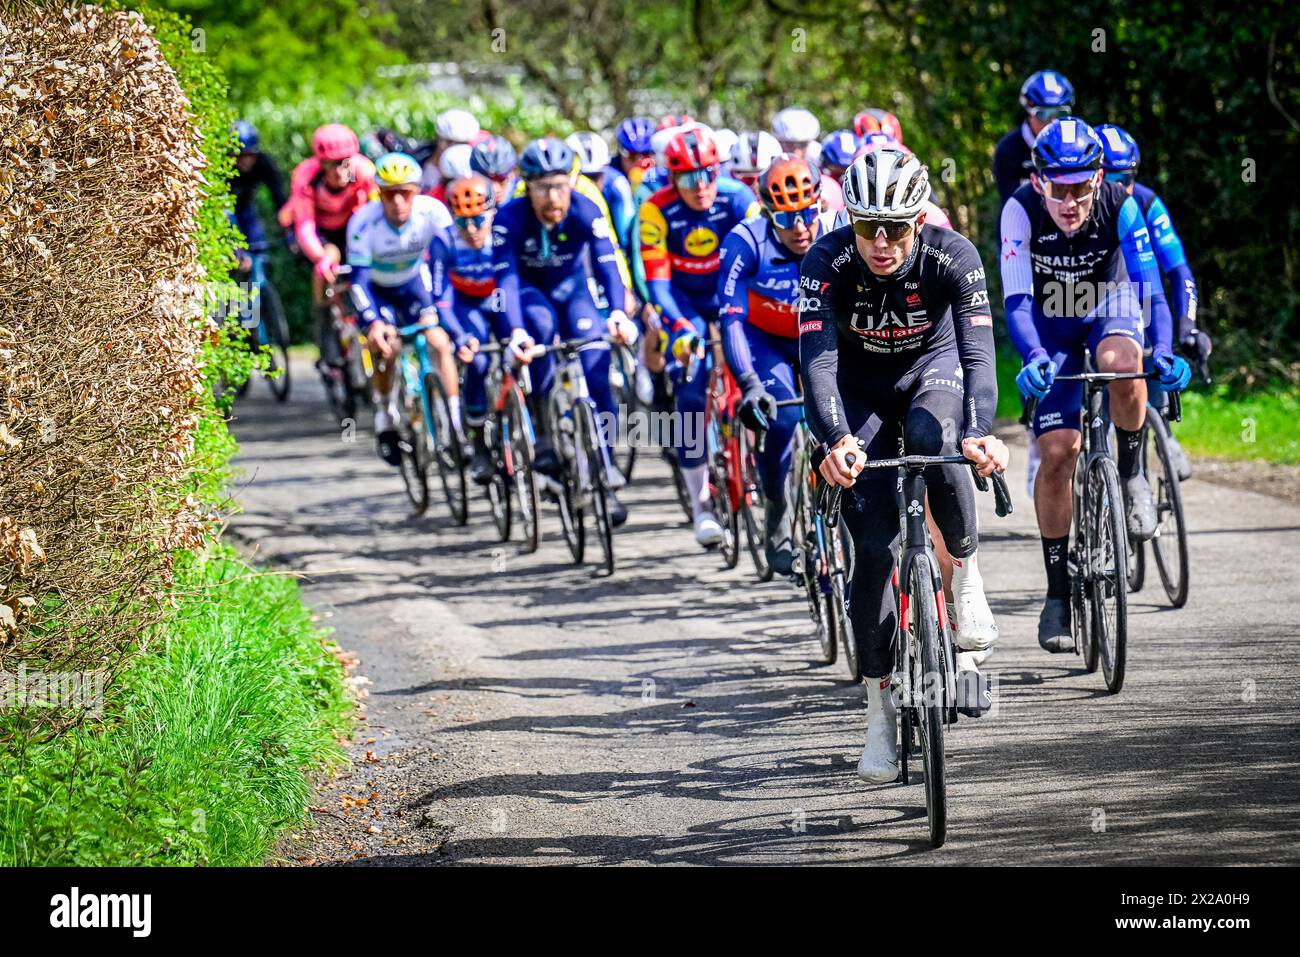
column 389, row 444
column 1054, row 626
column 778, row 542
column 480, row 460
column 1140, row 508
column 617, row 511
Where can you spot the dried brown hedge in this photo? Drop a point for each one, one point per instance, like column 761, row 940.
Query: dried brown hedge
column 100, row 176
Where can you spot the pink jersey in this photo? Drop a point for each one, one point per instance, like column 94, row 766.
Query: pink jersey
column 934, row 216
column 832, row 195
column 315, row 206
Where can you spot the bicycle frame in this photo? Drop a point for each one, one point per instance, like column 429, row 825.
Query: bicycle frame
column 413, row 339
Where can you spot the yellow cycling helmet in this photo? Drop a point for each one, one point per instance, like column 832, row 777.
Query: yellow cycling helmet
column 397, row 169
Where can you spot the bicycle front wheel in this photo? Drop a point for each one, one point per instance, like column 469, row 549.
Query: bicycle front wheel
column 841, row 572
column 1170, row 543
column 622, row 376
column 720, row 493
column 1108, row 563
column 929, row 685
column 447, row 451
column 413, row 463
column 499, row 489
column 811, row 567
column 595, row 481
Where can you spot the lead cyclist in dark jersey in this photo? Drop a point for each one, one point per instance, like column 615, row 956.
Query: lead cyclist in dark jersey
column 896, row 340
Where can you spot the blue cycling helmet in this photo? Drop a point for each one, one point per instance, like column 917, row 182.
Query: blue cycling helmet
column 545, row 157
column 839, row 148
column 1046, row 88
column 1067, row 150
column 1120, row 150
column 246, row 133
column 494, row 158
column 634, row 135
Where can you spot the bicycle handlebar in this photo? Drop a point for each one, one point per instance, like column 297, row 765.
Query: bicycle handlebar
column 1175, row 398
column 1001, row 494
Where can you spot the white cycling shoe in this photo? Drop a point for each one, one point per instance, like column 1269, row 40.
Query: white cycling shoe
column 707, row 530
column 977, row 629
column 879, row 761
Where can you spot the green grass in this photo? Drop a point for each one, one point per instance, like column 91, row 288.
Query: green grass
column 1263, row 425
column 207, row 745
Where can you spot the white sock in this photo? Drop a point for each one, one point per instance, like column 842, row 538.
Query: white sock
column 965, row 574
column 454, row 402
column 697, row 484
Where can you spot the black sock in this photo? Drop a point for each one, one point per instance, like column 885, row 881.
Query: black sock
column 1129, row 443
column 1055, row 555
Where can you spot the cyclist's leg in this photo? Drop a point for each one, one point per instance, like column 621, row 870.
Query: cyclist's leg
column 541, row 323
column 581, row 319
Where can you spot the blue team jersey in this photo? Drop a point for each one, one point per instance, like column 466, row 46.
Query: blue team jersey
column 617, row 190
column 552, row 261
column 759, row 279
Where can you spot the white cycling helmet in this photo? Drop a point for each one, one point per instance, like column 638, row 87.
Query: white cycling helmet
column 592, row 151
column 796, row 125
column 887, row 183
column 454, row 162
column 754, row 152
column 726, row 140
column 457, row 126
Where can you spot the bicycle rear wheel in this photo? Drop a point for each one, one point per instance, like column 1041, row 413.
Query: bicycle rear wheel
column 751, row 507
column 810, row 564
column 622, row 375
column 1108, row 560
column 517, row 444
column 720, row 492
column 595, row 481
column 1170, row 543
column 931, row 685
column 277, row 336
column 448, row 453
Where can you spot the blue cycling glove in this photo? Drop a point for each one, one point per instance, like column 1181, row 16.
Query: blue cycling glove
column 1175, row 373
column 1035, row 379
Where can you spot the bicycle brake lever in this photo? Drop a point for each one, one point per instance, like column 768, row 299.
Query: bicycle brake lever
column 1175, row 407
column 1031, row 406
column 1001, row 496
column 981, row 483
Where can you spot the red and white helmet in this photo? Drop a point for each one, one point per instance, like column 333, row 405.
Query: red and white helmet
column 691, row 149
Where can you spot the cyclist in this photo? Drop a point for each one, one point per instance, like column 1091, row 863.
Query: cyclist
column 325, row 190
column 451, row 127
column 540, row 242
column 759, row 292
column 797, row 131
column 1045, row 96
column 1120, row 164
column 1070, row 235
column 896, row 340
column 681, row 228
column 726, row 140
column 253, row 168
column 875, row 120
column 454, row 164
column 496, row 159
column 388, row 242
column 754, row 152
column 466, row 301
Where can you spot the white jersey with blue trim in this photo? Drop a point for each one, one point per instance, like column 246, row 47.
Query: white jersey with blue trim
column 393, row 255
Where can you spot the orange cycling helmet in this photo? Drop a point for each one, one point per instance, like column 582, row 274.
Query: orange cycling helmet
column 789, row 184
column 691, row 149
column 471, row 196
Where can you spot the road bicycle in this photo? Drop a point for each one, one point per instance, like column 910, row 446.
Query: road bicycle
column 925, row 681
column 345, row 364
column 823, row 554
column 271, row 330
column 1099, row 554
column 427, row 434
column 511, row 442
column 573, row 427
column 622, row 376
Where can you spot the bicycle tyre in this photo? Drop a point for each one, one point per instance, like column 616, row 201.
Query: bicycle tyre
column 519, row 460
column 809, row 565
column 1109, row 554
column 720, row 493
column 841, row 571
column 413, row 465
column 925, row 629
column 446, row 448
column 752, row 512
column 622, row 370
column 278, row 333
column 1171, row 563
column 572, row 516
column 595, row 481
column 499, row 490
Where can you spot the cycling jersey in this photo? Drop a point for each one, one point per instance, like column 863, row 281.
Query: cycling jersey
column 584, row 187
column 387, row 258
column 851, row 318
column 1013, row 160
column 758, row 295
column 680, row 248
column 316, row 206
column 243, row 186
column 1070, row 281
column 1170, row 256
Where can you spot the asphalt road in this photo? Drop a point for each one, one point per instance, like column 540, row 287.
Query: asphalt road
column 519, row 710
